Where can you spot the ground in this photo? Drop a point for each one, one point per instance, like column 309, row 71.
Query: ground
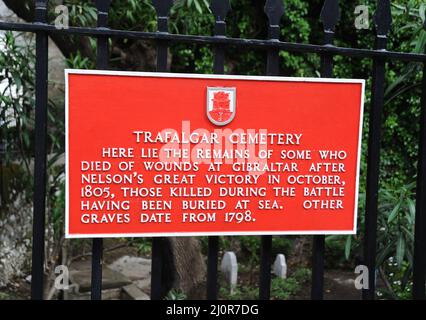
column 127, row 276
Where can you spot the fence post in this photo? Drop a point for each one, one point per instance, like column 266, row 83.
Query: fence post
column 330, row 15
column 39, row 205
column 162, row 8
column 274, row 10
column 102, row 7
column 419, row 268
column 219, row 9
column 382, row 21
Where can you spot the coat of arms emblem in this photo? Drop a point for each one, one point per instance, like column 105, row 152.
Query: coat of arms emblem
column 221, row 105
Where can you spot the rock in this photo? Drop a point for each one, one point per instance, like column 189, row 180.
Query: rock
column 229, row 267
column 134, row 268
column 110, row 279
column 144, row 285
column 15, row 240
column 110, row 294
column 134, row 293
column 280, row 266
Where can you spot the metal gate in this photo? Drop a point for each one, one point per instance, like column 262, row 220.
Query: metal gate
column 274, row 10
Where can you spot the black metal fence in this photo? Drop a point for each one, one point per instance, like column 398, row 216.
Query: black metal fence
column 274, row 10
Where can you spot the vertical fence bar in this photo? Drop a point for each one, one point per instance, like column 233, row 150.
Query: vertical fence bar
column 102, row 7
column 39, row 205
column 162, row 8
column 274, row 10
column 265, row 267
column 156, row 268
column 382, row 20
column 419, row 268
column 330, row 15
column 318, row 249
column 212, row 260
column 219, row 9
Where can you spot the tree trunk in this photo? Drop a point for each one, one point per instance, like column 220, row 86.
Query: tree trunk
column 184, row 269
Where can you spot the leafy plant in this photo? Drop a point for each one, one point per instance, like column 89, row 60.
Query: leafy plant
column 17, row 120
column 77, row 61
column 396, row 237
column 16, row 100
column 143, row 245
column 175, row 295
column 283, row 289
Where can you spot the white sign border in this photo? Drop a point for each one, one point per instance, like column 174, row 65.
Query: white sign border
column 218, row 77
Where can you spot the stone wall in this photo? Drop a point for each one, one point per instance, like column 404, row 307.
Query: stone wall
column 15, row 243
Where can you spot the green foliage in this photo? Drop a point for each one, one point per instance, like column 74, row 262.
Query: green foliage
column 143, row 245
column 397, row 279
column 7, row 296
column 14, row 181
column 77, row 61
column 17, row 106
column 399, row 148
column 281, row 289
column 338, row 251
column 395, row 239
column 402, row 96
column 396, row 221
column 239, row 293
column 250, row 247
column 17, row 99
column 58, row 210
column 175, row 295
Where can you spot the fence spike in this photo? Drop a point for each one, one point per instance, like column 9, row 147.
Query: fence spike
column 220, row 9
column 162, row 7
column 42, row 4
column 383, row 17
column 330, row 14
column 274, row 10
column 40, row 11
column 103, row 5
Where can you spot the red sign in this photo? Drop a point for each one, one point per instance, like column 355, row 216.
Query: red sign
column 159, row 154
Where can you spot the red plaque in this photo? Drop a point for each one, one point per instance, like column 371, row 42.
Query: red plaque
column 159, row 154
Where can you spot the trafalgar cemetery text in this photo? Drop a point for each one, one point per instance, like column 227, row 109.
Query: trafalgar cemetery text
column 190, row 177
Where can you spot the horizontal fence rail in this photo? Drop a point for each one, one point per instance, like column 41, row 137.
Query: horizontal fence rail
column 181, row 38
column 274, row 10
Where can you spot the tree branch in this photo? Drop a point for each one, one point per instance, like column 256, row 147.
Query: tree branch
column 24, row 9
